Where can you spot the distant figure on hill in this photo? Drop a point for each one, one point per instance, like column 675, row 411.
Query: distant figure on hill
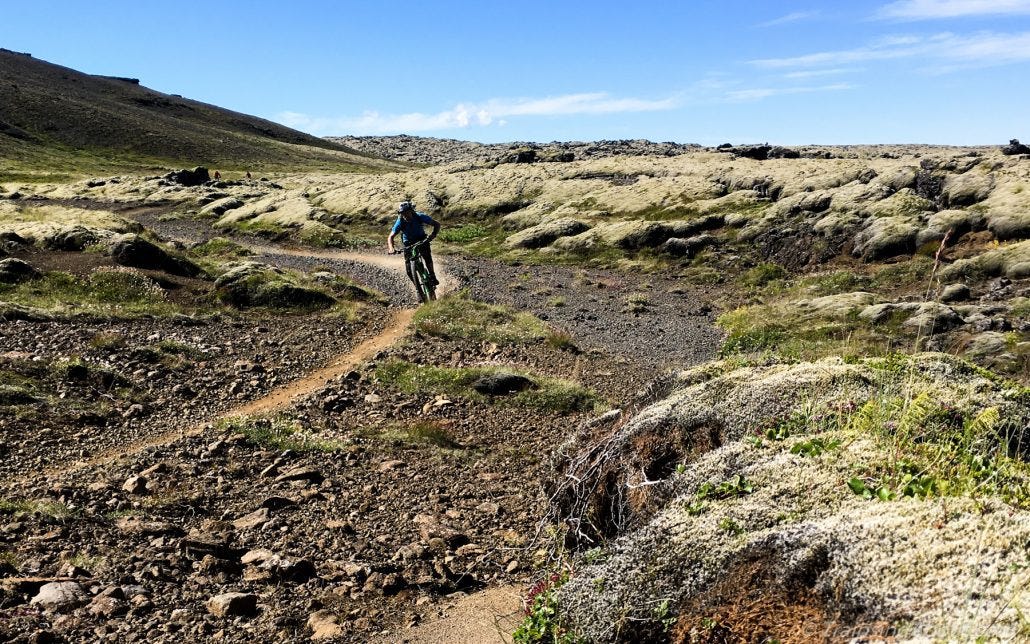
column 218, row 175
column 410, row 225
column 248, row 174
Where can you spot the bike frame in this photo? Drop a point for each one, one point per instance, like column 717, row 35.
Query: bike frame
column 420, row 273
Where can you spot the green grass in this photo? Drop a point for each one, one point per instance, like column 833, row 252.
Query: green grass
column 458, row 316
column 463, row 234
column 49, row 509
column 279, row 434
column 834, row 283
column 548, row 395
column 422, row 433
column 932, row 448
column 118, row 293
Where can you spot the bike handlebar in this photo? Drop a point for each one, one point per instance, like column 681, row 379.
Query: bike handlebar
column 415, row 245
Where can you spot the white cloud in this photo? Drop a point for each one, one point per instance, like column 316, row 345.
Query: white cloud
column 982, row 49
column 758, row 93
column 934, row 9
column 796, row 16
column 463, row 115
column 812, row 73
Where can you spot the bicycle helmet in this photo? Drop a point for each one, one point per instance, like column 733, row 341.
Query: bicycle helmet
column 405, row 207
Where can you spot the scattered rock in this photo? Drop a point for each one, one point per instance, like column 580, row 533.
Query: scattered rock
column 955, row 293
column 501, row 383
column 135, row 484
column 61, row 596
column 252, row 521
column 301, row 473
column 233, row 604
column 324, row 625
column 14, row 270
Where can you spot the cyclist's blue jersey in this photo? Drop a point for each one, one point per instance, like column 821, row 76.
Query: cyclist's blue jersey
column 412, row 231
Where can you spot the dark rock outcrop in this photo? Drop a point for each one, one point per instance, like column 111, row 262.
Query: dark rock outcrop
column 132, row 250
column 194, row 177
column 1015, row 147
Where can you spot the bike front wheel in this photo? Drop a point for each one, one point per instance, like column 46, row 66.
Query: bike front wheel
column 424, row 282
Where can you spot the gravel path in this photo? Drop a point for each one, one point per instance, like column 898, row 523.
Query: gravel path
column 651, row 320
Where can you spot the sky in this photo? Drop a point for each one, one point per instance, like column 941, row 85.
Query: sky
column 690, row 71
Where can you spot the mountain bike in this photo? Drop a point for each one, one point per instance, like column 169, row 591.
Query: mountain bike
column 420, row 272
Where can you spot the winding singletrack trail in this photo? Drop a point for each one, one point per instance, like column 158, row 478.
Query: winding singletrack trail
column 281, row 397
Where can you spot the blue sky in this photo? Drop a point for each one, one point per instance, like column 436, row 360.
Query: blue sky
column 702, row 71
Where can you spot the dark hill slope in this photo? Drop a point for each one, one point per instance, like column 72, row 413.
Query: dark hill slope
column 55, row 117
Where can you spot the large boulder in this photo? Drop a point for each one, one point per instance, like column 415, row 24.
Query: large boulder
column 14, row 270
column 687, row 248
column 1011, row 224
column 932, row 317
column 966, row 189
column 61, row 596
column 189, row 178
column 132, row 250
column 959, row 222
column 545, row 233
column 1012, row 261
column 1015, row 147
column 886, row 237
column 249, row 284
column 686, row 507
column 73, row 238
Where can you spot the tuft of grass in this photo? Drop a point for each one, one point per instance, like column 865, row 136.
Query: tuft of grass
column 424, row 433
column 48, row 509
column 835, row 282
column 107, row 341
column 459, row 316
column 763, row 275
column 278, row 433
column 561, row 340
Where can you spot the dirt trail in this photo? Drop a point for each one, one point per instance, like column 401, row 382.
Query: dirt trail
column 281, row 397
column 274, row 400
column 486, row 617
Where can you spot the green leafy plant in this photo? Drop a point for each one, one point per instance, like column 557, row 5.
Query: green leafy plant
column 542, row 622
column 815, row 446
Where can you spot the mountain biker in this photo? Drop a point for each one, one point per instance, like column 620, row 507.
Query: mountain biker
column 410, row 225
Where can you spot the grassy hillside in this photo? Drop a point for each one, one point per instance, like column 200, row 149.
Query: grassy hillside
column 57, row 120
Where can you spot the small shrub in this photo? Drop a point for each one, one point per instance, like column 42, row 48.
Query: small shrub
column 562, row 340
column 278, row 434
column 542, row 624
column 763, row 274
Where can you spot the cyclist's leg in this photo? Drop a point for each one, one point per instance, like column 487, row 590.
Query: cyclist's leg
column 427, row 255
column 408, row 268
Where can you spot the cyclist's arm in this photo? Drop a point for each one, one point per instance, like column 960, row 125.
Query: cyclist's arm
column 436, row 230
column 393, row 233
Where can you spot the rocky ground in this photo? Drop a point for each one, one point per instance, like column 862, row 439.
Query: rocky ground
column 391, row 462
column 431, row 151
column 131, row 514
